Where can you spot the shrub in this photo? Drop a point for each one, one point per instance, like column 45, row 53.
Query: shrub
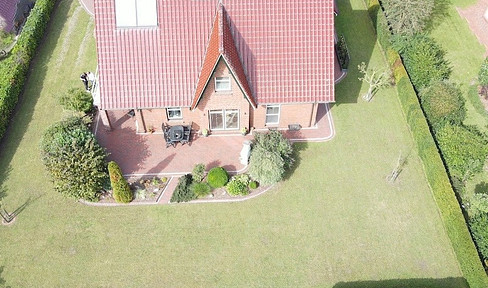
column 483, row 74
column 238, row 185
column 464, row 149
column 478, row 204
column 182, row 192
column 198, row 172
column 424, row 60
column 200, row 189
column 443, row 103
column 217, row 177
column 478, row 226
column 253, row 185
column 74, row 159
column 13, row 70
column 120, row 188
column 77, row 99
column 266, row 166
column 274, row 141
column 343, row 53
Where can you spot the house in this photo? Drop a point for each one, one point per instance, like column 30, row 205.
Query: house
column 13, row 13
column 221, row 65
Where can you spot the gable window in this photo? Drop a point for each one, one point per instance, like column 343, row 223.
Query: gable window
column 272, row 114
column 224, row 119
column 136, row 13
column 174, row 113
column 222, row 84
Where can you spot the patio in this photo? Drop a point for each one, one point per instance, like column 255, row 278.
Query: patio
column 146, row 154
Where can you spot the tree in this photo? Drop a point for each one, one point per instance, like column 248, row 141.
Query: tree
column 408, row 17
column 375, row 78
column 77, row 99
column 443, row 103
column 74, row 159
column 424, row 60
column 120, row 188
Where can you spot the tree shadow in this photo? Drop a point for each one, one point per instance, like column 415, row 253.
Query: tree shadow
column 2, row 281
column 481, row 188
column 356, row 26
column 9, row 217
column 452, row 282
column 298, row 147
column 439, row 14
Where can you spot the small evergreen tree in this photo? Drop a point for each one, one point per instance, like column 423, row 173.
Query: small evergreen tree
column 198, row 172
column 120, row 188
column 182, row 192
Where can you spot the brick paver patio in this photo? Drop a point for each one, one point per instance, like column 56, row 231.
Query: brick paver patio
column 146, row 154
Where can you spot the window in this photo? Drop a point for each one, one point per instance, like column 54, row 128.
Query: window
column 174, row 113
column 272, row 114
column 222, row 83
column 136, row 13
column 224, row 119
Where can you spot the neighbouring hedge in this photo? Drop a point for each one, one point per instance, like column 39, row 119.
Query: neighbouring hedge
column 13, row 70
column 435, row 171
column 120, row 188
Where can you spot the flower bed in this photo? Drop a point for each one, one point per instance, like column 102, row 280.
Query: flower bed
column 145, row 189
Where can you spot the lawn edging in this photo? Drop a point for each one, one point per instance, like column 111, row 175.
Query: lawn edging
column 435, row 171
column 14, row 68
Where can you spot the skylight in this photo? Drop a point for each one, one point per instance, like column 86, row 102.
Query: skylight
column 136, row 13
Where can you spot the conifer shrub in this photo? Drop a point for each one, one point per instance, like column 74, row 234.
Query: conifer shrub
column 120, row 188
column 217, row 177
column 182, row 192
column 198, row 172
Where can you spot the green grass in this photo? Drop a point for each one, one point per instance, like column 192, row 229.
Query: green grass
column 335, row 221
column 466, row 55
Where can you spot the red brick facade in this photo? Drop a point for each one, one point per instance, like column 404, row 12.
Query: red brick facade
column 303, row 114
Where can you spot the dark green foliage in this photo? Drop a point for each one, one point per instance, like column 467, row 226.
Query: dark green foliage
column 443, row 103
column 238, row 185
column 408, row 17
column 200, row 189
column 217, row 177
column 198, row 172
column 74, row 159
column 464, row 149
column 424, row 60
column 253, row 185
column 13, row 70
column 270, row 157
column 77, row 99
column 483, row 74
column 182, row 192
column 343, row 53
column 120, row 188
column 479, row 230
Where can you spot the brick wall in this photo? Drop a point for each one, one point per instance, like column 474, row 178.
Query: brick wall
column 302, row 114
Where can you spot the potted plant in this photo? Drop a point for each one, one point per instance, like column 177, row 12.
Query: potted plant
column 205, row 132
column 244, row 131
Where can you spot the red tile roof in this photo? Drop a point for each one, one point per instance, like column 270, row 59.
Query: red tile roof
column 221, row 45
column 7, row 14
column 284, row 49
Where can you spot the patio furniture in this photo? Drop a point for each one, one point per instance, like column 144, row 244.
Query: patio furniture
column 186, row 134
column 167, row 137
column 178, row 133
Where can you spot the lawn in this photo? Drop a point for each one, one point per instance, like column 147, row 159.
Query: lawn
column 334, row 222
column 465, row 54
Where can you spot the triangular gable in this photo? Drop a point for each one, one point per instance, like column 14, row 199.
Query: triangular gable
column 221, row 45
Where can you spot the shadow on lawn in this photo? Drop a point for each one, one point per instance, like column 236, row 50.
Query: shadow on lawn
column 410, row 283
column 297, row 149
column 2, row 281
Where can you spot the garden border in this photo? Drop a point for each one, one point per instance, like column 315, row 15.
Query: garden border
column 448, row 206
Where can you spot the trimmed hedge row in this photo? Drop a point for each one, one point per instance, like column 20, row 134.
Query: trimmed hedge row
column 435, row 171
column 13, row 70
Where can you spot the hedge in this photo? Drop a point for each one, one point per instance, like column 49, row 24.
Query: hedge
column 435, row 171
column 13, row 70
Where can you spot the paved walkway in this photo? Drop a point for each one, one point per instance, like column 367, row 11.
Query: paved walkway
column 476, row 22
column 89, row 6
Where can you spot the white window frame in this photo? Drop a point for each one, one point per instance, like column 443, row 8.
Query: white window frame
column 223, row 79
column 174, row 109
column 273, row 114
column 224, row 113
column 136, row 13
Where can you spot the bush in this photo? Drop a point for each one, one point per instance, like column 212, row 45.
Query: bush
column 478, row 204
column 77, row 99
column 424, row 60
column 274, row 141
column 343, row 53
column 464, row 149
column 236, row 187
column 443, row 103
column 408, row 17
column 200, row 189
column 198, row 172
column 483, row 74
column 217, row 177
column 253, row 185
column 13, row 70
column 74, row 159
column 182, row 192
column 478, row 226
column 120, row 188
